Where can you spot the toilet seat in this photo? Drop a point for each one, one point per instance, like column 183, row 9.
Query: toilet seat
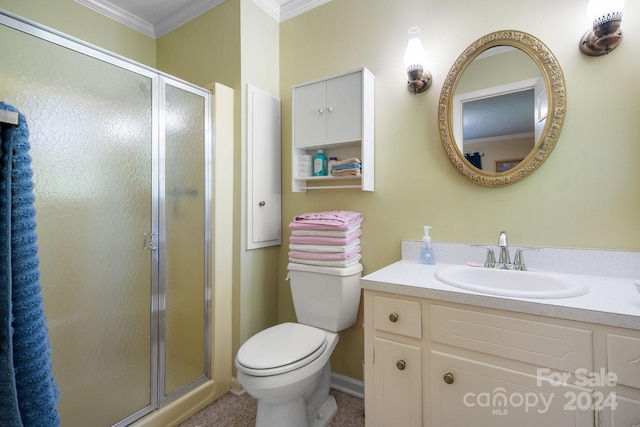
column 280, row 349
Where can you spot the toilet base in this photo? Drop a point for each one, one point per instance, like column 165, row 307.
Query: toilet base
column 294, row 413
column 325, row 414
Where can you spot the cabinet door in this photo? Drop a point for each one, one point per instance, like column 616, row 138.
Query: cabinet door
column 476, row 393
column 264, row 194
column 309, row 115
column 344, row 108
column 626, row 414
column 398, row 384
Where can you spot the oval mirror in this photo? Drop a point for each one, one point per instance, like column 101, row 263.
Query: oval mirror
column 501, row 108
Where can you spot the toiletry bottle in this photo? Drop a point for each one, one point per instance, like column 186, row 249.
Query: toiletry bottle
column 320, row 164
column 426, row 249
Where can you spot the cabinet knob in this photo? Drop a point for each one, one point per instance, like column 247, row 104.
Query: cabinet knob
column 320, row 111
column 262, row 203
column 393, row 317
column 401, row 364
column 329, row 109
column 448, row 378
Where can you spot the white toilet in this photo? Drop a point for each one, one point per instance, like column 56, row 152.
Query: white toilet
column 286, row 367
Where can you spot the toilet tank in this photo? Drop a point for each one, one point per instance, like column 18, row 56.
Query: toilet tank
column 325, row 297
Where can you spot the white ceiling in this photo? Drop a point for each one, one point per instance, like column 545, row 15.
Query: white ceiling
column 156, row 18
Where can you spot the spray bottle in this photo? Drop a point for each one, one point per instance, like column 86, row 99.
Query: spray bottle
column 426, row 249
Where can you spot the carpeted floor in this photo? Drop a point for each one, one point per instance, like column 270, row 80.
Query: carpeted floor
column 240, row 411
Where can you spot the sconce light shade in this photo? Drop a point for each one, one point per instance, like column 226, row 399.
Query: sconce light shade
column 606, row 16
column 414, row 59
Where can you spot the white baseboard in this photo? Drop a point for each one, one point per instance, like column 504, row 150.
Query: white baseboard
column 347, row 385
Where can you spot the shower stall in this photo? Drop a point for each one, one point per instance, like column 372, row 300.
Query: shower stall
column 122, row 171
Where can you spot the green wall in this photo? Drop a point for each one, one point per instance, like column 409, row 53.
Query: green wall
column 585, row 195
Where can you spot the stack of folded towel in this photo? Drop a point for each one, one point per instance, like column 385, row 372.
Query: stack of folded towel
column 329, row 239
column 345, row 167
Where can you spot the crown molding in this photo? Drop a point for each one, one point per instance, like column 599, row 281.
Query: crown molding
column 274, row 8
column 118, row 14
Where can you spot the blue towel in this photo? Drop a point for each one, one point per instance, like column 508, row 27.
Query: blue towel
column 352, row 165
column 28, row 391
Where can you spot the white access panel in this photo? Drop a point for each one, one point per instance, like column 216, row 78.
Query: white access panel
column 264, row 194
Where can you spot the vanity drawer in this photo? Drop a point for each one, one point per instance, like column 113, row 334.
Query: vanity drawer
column 399, row 316
column 543, row 344
column 623, row 354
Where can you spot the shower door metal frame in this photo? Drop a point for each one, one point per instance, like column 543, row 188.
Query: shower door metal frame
column 162, row 398
column 158, row 79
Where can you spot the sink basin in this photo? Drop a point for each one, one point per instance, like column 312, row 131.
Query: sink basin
column 519, row 284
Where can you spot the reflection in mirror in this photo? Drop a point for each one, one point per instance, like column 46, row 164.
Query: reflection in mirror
column 495, row 119
column 496, row 122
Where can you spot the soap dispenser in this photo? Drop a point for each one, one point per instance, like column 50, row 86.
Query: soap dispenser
column 426, row 249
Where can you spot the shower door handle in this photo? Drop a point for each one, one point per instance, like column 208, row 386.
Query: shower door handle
column 148, row 242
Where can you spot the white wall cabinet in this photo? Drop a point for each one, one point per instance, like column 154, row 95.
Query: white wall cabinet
column 335, row 114
column 483, row 366
column 264, row 195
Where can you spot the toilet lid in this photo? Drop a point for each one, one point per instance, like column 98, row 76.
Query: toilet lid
column 281, row 348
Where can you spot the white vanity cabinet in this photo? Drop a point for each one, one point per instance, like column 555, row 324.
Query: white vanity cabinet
column 484, row 366
column 336, row 115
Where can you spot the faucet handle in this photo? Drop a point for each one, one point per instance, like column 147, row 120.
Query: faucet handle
column 519, row 259
column 490, row 261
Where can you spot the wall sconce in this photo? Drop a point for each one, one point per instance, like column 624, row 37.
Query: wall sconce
column 606, row 16
column 414, row 59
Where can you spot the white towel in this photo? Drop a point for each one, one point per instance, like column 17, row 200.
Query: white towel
column 341, row 263
column 326, row 233
column 323, row 248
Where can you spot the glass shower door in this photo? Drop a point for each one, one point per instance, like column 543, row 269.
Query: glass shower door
column 184, row 269
column 91, row 140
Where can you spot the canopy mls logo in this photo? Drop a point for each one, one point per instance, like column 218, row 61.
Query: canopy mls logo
column 499, row 401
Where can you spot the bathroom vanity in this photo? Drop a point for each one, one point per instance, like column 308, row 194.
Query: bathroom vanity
column 440, row 356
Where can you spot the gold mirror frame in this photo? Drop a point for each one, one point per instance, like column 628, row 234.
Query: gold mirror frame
column 556, row 91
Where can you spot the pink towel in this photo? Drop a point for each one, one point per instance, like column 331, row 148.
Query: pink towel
column 330, row 220
column 329, row 256
column 323, row 240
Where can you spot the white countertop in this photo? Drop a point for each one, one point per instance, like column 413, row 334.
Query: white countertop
column 610, row 301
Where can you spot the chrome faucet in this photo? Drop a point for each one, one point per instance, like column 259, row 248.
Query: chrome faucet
column 504, row 259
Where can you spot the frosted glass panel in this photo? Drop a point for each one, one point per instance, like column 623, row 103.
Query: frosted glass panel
column 91, row 136
column 185, row 239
